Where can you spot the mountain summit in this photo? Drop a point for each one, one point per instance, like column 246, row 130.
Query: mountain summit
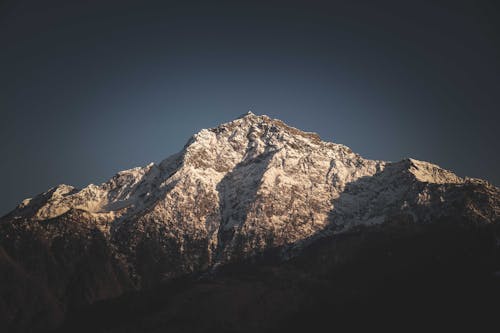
column 233, row 192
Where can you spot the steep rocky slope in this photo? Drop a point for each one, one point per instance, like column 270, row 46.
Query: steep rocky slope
column 233, row 192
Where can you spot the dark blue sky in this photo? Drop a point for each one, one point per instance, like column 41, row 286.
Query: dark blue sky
column 94, row 87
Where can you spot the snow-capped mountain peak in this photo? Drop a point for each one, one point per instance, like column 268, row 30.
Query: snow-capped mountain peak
column 248, row 185
column 240, row 190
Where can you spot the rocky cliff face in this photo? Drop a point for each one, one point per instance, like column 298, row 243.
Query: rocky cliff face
column 234, row 191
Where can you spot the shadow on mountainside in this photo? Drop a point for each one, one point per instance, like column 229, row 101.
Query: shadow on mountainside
column 380, row 277
column 395, row 275
column 237, row 192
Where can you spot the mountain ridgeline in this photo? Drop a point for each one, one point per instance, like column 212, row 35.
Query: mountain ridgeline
column 253, row 226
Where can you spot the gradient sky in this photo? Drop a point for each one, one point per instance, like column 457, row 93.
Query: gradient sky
column 94, row 87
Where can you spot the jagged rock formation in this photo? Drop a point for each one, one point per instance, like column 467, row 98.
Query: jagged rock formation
column 234, row 191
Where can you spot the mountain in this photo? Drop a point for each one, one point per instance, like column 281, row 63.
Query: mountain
column 247, row 192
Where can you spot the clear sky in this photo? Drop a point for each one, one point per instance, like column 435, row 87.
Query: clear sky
column 88, row 88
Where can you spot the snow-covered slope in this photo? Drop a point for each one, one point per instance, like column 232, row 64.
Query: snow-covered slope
column 233, row 191
column 249, row 184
